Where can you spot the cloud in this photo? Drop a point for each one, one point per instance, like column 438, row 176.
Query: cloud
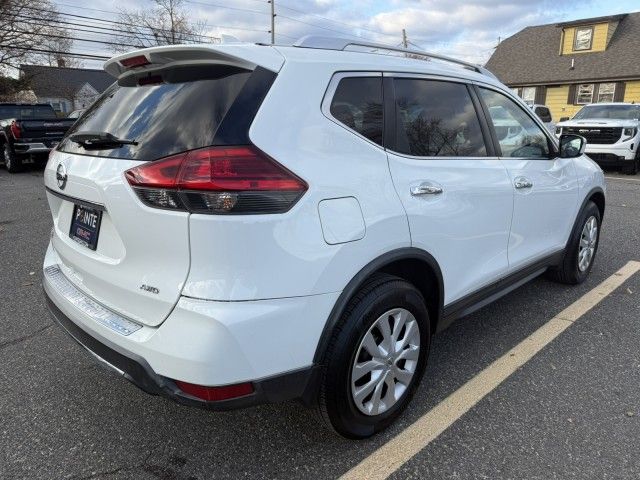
column 467, row 29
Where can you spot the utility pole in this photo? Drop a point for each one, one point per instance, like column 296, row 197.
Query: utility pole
column 405, row 42
column 273, row 21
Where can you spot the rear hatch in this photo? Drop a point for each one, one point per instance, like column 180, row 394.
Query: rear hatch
column 132, row 258
column 48, row 131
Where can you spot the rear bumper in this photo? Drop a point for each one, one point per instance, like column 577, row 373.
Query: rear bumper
column 202, row 342
column 29, row 148
column 134, row 368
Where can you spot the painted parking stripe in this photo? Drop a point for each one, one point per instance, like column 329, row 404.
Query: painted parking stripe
column 623, row 179
column 392, row 455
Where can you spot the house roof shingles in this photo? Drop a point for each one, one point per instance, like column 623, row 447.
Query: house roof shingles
column 531, row 56
column 60, row 82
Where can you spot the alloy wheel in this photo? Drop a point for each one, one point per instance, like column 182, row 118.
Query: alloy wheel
column 588, row 241
column 385, row 362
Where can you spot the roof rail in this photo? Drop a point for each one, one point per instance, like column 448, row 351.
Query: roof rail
column 338, row 43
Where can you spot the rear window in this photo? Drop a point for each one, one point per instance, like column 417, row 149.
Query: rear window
column 357, row 104
column 26, row 112
column 164, row 119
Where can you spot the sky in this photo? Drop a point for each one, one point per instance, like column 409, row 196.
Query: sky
column 468, row 30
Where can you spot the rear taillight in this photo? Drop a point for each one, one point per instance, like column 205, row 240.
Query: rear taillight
column 218, row 180
column 16, row 131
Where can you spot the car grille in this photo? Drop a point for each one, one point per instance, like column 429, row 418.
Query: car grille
column 602, row 135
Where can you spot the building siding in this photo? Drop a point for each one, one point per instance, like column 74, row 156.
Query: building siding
column 632, row 92
column 557, row 102
column 598, row 44
column 557, row 96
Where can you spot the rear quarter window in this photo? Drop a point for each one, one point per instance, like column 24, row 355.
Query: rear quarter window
column 357, row 104
column 165, row 118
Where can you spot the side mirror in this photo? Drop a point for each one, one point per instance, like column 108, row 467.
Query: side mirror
column 564, row 119
column 572, row 146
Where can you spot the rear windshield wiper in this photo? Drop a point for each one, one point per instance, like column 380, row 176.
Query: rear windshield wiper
column 99, row 140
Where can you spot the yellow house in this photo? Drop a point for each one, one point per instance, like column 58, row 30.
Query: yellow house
column 571, row 64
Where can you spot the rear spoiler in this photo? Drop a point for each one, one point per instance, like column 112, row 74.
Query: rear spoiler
column 148, row 60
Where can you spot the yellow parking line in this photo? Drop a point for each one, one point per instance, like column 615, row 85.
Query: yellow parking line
column 392, row 455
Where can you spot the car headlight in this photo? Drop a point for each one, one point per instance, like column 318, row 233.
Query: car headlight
column 558, row 130
column 629, row 132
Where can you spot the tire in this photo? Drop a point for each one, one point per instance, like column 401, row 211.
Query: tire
column 635, row 167
column 384, row 298
column 571, row 271
column 12, row 162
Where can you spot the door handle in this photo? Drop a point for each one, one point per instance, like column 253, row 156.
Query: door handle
column 522, row 182
column 426, row 188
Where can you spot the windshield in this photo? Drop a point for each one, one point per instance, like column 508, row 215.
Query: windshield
column 26, row 112
column 615, row 112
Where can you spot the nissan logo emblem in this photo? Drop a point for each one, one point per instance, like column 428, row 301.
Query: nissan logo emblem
column 61, row 176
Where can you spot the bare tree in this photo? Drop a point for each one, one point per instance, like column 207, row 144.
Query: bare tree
column 26, row 28
column 166, row 24
column 59, row 43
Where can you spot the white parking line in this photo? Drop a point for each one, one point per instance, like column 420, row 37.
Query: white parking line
column 623, row 179
column 392, row 455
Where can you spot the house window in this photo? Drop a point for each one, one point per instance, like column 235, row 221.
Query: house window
column 583, row 38
column 584, row 94
column 606, row 92
column 529, row 95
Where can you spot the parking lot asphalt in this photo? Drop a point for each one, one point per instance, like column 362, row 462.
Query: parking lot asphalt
column 572, row 411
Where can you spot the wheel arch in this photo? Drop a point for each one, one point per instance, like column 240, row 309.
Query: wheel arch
column 595, row 195
column 412, row 264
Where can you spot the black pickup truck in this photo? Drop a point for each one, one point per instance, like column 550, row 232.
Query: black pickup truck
column 28, row 132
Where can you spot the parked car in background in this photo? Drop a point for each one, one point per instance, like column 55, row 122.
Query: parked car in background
column 219, row 253
column 544, row 114
column 28, row 132
column 612, row 131
column 76, row 113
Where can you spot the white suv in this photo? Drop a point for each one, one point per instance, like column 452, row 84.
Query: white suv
column 612, row 131
column 236, row 224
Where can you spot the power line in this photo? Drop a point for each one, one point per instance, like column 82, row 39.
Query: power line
column 148, row 36
column 84, row 30
column 66, row 37
column 379, row 32
column 324, row 28
column 238, row 9
column 108, row 21
column 68, row 54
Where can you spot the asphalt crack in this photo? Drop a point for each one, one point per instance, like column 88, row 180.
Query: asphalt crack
column 24, row 338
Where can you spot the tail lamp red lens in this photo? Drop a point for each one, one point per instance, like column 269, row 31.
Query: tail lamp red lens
column 16, row 131
column 219, row 180
column 133, row 62
column 216, row 394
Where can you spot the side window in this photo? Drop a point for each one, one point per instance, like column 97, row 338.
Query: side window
column 518, row 135
column 435, row 118
column 357, row 103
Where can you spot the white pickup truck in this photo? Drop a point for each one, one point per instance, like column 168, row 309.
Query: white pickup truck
column 612, row 131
